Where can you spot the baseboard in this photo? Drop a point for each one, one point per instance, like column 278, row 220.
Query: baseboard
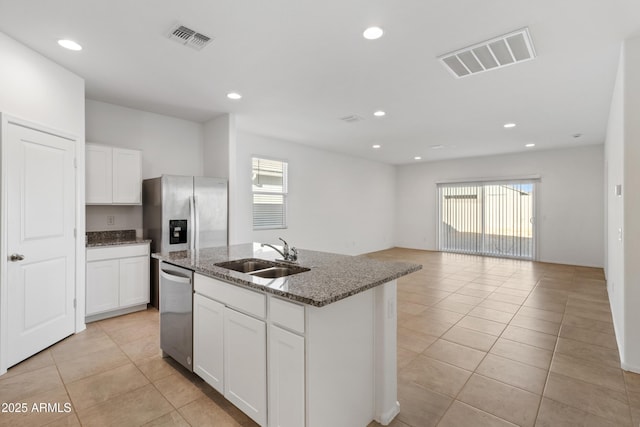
column 119, row 312
column 629, row 367
column 387, row 417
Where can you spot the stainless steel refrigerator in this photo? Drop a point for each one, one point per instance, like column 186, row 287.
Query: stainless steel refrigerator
column 183, row 213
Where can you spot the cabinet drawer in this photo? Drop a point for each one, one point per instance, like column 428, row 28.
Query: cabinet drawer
column 234, row 296
column 287, row 314
column 112, row 252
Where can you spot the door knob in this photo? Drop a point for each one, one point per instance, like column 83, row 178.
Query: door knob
column 16, row 257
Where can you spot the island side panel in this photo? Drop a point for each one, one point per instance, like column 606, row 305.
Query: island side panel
column 340, row 362
column 385, row 353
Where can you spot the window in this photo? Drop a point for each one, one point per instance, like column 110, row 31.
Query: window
column 488, row 218
column 269, row 184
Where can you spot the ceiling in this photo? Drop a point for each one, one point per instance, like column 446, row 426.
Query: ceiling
column 301, row 65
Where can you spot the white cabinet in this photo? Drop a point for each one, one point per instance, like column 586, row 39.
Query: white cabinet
column 134, row 281
column 102, row 286
column 117, row 279
column 127, row 176
column 231, row 327
column 113, row 175
column 99, row 174
column 208, row 341
column 286, row 378
column 230, row 343
column 245, row 372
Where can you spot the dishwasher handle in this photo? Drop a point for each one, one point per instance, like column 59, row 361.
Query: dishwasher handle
column 175, row 278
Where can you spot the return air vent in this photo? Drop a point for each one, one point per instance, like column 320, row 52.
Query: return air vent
column 489, row 55
column 352, row 118
column 188, row 37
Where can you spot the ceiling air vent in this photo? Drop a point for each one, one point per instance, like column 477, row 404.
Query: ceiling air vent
column 352, row 118
column 489, row 55
column 188, row 37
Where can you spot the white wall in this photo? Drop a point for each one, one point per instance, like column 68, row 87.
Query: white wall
column 570, row 199
column 614, row 162
column 35, row 89
column 631, row 200
column 169, row 146
column 215, row 151
column 623, row 227
column 337, row 203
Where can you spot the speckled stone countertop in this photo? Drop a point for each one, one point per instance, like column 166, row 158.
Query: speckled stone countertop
column 113, row 238
column 331, row 278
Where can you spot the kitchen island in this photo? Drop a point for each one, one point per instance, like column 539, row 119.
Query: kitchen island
column 316, row 348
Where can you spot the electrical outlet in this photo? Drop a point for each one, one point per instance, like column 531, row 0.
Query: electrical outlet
column 111, row 220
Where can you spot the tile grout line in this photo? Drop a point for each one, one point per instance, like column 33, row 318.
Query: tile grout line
column 474, row 372
column 553, row 354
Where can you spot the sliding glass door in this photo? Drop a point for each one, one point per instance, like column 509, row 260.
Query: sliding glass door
column 488, row 218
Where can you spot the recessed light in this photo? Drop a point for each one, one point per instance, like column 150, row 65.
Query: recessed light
column 509, row 125
column 69, row 44
column 372, row 33
column 417, row 158
column 530, row 145
column 234, row 95
column 379, row 113
column 437, row 147
column 376, row 146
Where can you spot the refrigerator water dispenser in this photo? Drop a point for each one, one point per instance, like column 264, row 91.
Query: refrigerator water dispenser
column 177, row 231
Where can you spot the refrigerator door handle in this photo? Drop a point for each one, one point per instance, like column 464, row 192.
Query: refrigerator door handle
column 196, row 225
column 192, row 214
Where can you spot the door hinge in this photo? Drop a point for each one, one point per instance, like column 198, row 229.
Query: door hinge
column 75, row 163
column 75, row 303
column 75, row 233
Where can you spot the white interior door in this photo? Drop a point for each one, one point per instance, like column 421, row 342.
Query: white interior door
column 40, row 182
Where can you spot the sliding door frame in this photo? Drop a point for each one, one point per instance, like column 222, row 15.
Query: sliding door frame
column 535, row 180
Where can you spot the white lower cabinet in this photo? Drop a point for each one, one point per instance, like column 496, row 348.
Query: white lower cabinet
column 208, row 327
column 102, row 286
column 286, row 378
column 231, row 353
column 117, row 280
column 134, row 281
column 245, row 367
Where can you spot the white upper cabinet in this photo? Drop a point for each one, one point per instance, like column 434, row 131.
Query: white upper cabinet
column 114, row 175
column 127, row 176
column 99, row 172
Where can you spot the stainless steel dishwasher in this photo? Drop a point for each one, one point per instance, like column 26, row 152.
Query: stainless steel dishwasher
column 176, row 314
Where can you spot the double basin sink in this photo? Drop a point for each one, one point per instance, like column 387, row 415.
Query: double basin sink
column 262, row 268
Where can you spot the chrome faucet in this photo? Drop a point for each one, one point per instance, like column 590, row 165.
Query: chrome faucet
column 287, row 254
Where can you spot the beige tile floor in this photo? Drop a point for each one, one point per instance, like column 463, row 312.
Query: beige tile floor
column 496, row 342
column 481, row 342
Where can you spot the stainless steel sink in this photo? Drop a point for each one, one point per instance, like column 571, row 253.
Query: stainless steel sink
column 262, row 268
column 246, row 265
column 275, row 272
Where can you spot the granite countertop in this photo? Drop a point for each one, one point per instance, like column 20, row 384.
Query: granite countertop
column 331, row 278
column 113, row 238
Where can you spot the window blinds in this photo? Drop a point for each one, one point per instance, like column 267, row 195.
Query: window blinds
column 269, row 185
column 487, row 218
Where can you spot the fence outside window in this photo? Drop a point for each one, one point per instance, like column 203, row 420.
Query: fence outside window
column 488, row 218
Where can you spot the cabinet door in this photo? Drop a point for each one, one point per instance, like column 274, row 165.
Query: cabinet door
column 208, row 327
column 286, row 378
column 99, row 174
column 245, row 369
column 127, row 176
column 102, row 286
column 134, row 281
